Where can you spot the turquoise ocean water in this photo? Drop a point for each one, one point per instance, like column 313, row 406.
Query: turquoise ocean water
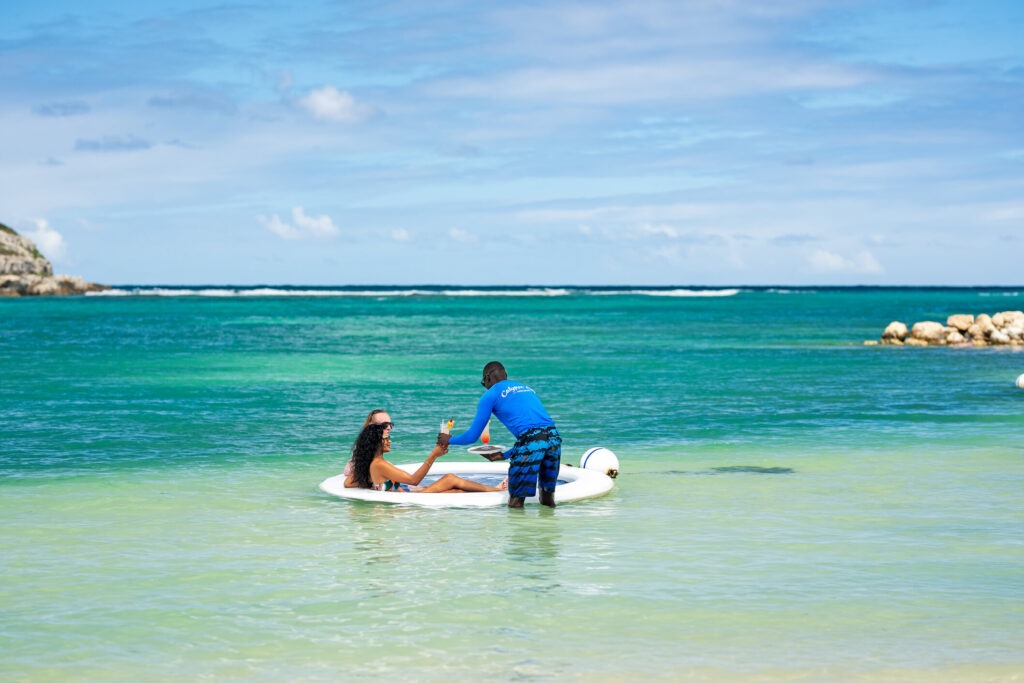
column 793, row 505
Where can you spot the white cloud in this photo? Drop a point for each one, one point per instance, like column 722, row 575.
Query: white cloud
column 659, row 230
column 867, row 263
column 318, row 226
column 623, row 213
column 673, row 254
column 337, row 106
column 463, row 236
column 525, row 239
column 1006, row 212
column 829, row 262
column 400, row 235
column 285, row 81
column 303, row 226
column 644, row 81
column 275, row 225
column 50, row 242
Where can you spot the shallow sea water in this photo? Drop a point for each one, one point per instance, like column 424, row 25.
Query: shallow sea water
column 793, row 506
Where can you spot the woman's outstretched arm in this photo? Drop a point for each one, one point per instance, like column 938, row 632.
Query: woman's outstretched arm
column 400, row 476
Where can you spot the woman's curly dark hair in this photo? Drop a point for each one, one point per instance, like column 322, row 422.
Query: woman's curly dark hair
column 369, row 442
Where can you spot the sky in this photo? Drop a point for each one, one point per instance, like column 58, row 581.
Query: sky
column 715, row 142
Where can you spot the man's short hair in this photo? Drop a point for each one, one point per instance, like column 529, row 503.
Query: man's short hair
column 493, row 366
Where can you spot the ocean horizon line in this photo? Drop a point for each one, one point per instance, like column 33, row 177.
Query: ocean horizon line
column 540, row 290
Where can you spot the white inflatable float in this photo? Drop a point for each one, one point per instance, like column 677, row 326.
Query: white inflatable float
column 602, row 460
column 574, row 483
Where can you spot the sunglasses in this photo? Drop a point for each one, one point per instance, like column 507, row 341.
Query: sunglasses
column 387, row 425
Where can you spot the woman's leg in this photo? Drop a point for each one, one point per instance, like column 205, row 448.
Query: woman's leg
column 452, row 483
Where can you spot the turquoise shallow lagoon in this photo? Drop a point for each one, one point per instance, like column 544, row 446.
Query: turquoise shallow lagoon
column 793, row 505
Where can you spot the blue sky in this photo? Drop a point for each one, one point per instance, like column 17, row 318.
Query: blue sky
column 643, row 142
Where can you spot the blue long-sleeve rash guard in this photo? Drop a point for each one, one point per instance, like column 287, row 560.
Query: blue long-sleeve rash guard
column 514, row 404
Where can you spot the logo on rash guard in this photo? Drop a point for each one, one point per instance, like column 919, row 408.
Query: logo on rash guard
column 515, row 389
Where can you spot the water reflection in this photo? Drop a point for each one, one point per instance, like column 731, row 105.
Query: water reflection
column 368, row 527
column 533, row 544
column 732, row 469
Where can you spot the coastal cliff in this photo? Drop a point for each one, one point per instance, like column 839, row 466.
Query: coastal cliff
column 24, row 271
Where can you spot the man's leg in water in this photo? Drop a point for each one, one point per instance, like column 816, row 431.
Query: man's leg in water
column 549, row 467
column 523, row 468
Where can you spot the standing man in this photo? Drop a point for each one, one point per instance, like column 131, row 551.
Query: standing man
column 538, row 448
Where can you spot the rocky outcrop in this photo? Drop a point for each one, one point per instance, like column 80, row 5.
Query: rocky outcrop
column 24, row 271
column 51, row 285
column 1002, row 329
column 894, row 332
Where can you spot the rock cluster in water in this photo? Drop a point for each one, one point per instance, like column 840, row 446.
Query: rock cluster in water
column 1001, row 329
column 26, row 272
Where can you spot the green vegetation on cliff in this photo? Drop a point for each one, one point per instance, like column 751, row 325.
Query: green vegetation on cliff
column 32, row 249
column 24, row 271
